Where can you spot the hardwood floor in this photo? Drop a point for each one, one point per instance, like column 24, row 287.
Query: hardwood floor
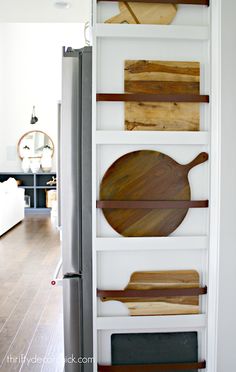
column 31, row 336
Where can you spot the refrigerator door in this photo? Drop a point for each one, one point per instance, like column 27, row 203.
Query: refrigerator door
column 76, row 208
column 70, row 165
column 86, row 213
column 59, row 163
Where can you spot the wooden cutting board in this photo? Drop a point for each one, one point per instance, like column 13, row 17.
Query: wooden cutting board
column 163, row 78
column 141, row 13
column 146, row 175
column 163, row 305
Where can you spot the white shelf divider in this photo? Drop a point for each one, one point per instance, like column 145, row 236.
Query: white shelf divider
column 157, row 243
column 152, row 31
column 162, row 323
column 104, row 137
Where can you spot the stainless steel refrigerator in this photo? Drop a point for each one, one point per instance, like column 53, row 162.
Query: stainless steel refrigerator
column 76, row 208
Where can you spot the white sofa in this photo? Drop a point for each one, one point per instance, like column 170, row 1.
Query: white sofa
column 11, row 205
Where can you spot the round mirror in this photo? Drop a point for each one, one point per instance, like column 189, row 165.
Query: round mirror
column 33, row 143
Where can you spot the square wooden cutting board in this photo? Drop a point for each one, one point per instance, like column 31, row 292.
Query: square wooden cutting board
column 162, row 77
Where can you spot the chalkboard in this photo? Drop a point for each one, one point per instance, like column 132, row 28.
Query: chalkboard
column 154, row 348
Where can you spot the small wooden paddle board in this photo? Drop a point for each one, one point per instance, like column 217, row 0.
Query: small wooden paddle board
column 163, row 305
column 143, row 13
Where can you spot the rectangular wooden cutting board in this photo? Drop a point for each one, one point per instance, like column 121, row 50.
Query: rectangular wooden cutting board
column 162, row 77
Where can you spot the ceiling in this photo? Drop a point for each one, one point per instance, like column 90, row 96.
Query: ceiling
column 43, row 11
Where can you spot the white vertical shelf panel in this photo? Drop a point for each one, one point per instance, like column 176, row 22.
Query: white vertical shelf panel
column 215, row 176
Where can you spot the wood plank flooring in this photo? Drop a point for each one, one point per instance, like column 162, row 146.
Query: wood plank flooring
column 31, row 332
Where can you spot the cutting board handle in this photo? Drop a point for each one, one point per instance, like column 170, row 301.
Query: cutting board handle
column 201, row 158
column 124, row 17
column 119, row 18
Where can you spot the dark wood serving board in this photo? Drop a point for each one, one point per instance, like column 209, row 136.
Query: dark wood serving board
column 162, row 77
column 147, row 175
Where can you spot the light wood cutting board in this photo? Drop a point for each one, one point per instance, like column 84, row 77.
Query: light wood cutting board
column 163, row 305
column 162, row 77
column 141, row 13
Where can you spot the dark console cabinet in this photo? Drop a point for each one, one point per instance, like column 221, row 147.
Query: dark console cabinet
column 35, row 185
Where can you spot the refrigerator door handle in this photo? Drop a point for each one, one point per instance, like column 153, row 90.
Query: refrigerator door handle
column 72, row 275
column 55, row 280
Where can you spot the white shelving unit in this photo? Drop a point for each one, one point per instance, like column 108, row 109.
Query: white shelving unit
column 199, row 41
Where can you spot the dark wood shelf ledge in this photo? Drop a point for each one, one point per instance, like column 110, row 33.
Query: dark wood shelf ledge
column 152, row 293
column 152, row 204
column 152, row 367
column 187, row 2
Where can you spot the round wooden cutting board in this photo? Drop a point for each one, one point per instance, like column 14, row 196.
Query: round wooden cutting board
column 146, row 175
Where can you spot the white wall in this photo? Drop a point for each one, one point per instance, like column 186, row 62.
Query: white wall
column 43, row 11
column 227, row 294
column 1, row 80
column 30, row 74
